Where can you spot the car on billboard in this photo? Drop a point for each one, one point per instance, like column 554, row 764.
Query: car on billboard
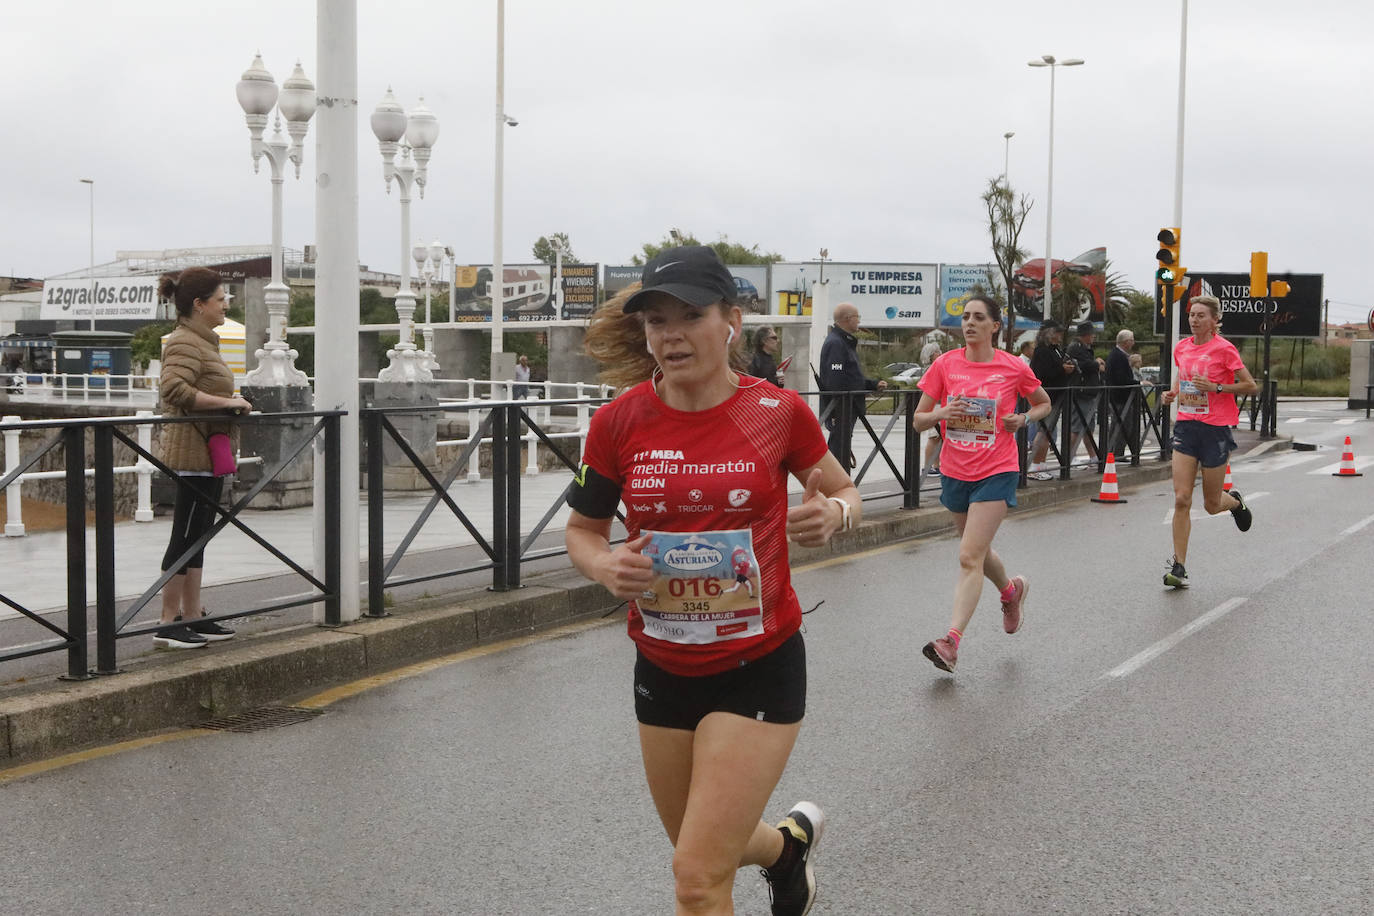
column 1028, row 285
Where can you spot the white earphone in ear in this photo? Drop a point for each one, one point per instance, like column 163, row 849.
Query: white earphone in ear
column 730, row 337
column 648, row 346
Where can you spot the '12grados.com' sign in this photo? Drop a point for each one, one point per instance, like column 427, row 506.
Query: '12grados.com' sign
column 114, row 298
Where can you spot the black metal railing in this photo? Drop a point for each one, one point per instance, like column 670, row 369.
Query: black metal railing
column 110, row 623
column 505, row 549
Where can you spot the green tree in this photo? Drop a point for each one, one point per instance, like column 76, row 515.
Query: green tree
column 1006, row 218
column 146, row 344
column 373, row 308
column 544, row 252
column 730, row 252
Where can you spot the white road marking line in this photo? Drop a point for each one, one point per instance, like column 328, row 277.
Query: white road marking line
column 1279, row 463
column 1297, row 419
column 1358, row 526
column 1138, row 661
column 1360, row 465
column 1346, row 421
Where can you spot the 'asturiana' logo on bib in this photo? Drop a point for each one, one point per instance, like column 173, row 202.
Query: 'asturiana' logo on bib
column 692, row 557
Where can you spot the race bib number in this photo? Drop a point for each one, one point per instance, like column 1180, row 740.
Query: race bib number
column 978, row 428
column 706, row 587
column 1192, row 399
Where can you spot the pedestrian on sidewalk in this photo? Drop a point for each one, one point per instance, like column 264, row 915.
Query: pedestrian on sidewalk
column 1209, row 375
column 1053, row 367
column 973, row 392
column 841, row 372
column 194, row 380
column 700, row 456
column 1088, row 390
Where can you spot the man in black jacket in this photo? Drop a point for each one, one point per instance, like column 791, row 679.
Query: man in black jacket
column 840, row 371
column 1054, row 368
column 1088, row 390
column 1122, row 385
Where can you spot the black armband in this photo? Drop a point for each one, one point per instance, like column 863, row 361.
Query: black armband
column 593, row 495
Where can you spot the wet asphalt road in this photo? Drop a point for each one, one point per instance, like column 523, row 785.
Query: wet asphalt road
column 1133, row 750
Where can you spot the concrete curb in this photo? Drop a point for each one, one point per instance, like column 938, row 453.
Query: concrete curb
column 49, row 719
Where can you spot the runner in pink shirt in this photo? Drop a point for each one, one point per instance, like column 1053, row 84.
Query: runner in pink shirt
column 1209, row 375
column 972, row 391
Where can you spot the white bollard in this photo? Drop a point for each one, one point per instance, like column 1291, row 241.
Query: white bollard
column 14, row 511
column 144, row 511
column 474, row 463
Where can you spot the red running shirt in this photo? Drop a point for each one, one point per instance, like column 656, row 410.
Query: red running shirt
column 711, row 470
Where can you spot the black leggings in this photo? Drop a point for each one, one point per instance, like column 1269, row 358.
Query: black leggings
column 191, row 519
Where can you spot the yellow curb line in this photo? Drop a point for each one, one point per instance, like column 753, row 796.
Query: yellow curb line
column 95, row 753
column 318, row 701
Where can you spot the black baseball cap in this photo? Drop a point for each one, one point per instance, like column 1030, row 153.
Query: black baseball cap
column 1049, row 324
column 1087, row 327
column 692, row 273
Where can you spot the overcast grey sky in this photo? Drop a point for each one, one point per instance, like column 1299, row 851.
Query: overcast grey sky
column 868, row 128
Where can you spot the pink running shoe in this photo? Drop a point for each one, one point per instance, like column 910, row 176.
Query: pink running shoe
column 942, row 653
column 1011, row 610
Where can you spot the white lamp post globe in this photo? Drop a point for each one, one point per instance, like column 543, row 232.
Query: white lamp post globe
column 436, row 252
column 256, row 89
column 297, row 97
column 389, row 119
column 422, row 129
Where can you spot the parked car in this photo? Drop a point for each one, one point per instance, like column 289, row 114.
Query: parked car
column 746, row 293
column 894, row 368
column 908, row 376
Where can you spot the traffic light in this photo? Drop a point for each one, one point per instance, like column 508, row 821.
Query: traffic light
column 1168, row 256
column 1259, row 274
column 1278, row 289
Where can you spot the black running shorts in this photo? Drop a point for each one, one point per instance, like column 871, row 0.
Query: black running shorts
column 768, row 689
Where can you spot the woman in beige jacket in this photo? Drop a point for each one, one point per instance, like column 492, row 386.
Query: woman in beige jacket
column 195, row 380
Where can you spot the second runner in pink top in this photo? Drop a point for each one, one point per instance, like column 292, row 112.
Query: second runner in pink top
column 976, row 446
column 1217, row 361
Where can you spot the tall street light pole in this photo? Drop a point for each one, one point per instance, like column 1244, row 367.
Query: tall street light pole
column 498, row 269
column 90, row 183
column 1048, row 60
column 257, row 95
column 414, row 136
column 1006, row 157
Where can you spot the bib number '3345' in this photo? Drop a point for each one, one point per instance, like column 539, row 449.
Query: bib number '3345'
column 706, row 589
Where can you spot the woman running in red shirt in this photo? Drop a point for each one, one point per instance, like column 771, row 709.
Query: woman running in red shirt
column 1209, row 375
column 700, row 456
column 973, row 392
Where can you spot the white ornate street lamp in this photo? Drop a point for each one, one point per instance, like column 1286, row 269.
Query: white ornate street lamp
column 1048, row 60
column 257, row 94
column 557, row 245
column 429, row 261
column 413, row 136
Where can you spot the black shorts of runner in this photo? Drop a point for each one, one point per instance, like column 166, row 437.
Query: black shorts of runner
column 1210, row 445
column 768, row 689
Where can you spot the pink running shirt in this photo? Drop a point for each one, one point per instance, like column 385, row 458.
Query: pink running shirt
column 977, row 446
column 1218, row 361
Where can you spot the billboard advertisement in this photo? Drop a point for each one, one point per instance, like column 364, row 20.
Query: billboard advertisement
column 751, row 283
column 1028, row 287
column 886, row 295
column 957, row 283
column 1299, row 314
column 114, row 298
column 577, row 290
column 528, row 293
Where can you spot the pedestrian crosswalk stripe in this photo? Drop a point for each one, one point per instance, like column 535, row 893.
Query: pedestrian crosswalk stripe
column 1360, row 464
column 1296, row 419
column 1346, row 421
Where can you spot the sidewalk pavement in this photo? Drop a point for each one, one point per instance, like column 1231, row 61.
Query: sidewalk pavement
column 169, row 690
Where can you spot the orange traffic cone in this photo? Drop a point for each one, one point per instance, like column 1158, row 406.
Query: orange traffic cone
column 1108, row 493
column 1226, row 485
column 1347, row 462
